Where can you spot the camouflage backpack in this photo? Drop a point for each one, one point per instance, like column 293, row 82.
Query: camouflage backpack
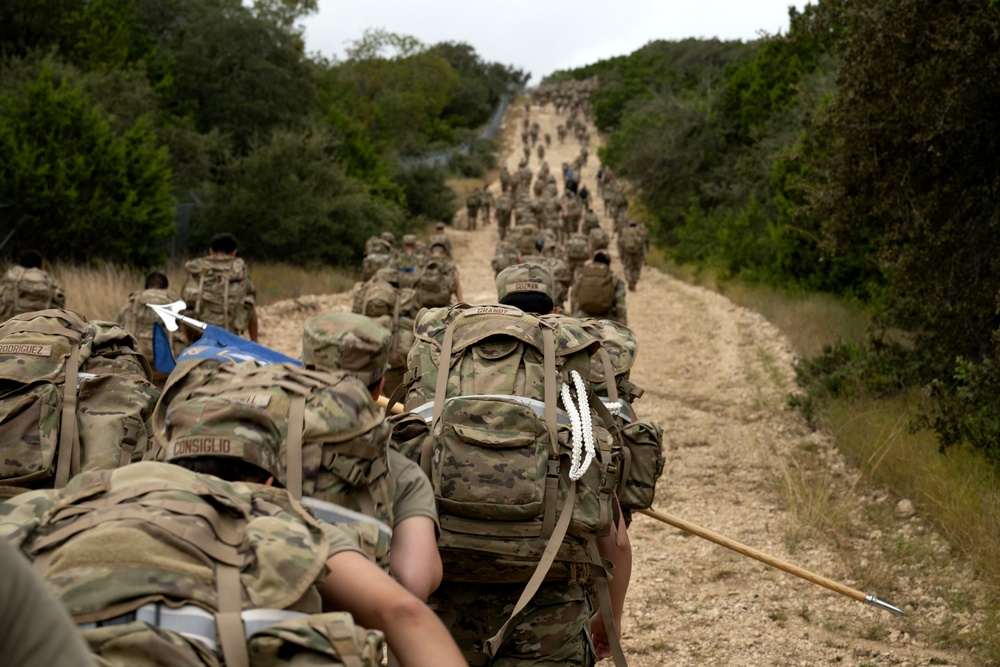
column 576, row 248
column 218, row 291
column 392, row 307
column 138, row 320
column 373, row 262
column 160, row 565
column 598, row 239
column 434, row 287
column 26, row 290
column 642, row 439
column 333, row 438
column 506, row 255
column 633, row 240
column 595, row 289
column 74, row 396
column 515, row 502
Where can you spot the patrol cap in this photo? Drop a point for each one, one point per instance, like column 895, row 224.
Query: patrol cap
column 524, row 278
column 348, row 342
column 222, row 427
column 389, row 238
column 409, row 239
column 602, row 256
column 439, row 226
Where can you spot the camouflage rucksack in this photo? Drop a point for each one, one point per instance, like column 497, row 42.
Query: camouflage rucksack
column 137, row 319
column 373, row 262
column 26, row 290
column 633, row 240
column 517, row 503
column 642, row 439
column 160, row 565
column 218, row 291
column 434, row 287
column 333, row 438
column 576, row 248
column 74, row 396
column 598, row 239
column 595, row 289
column 392, row 307
column 506, row 255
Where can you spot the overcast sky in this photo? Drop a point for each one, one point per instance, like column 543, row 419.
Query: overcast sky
column 543, row 37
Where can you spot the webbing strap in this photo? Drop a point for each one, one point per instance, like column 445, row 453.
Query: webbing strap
column 607, row 615
column 225, row 304
column 34, row 326
column 444, row 367
column 201, row 290
column 296, row 425
column 494, row 643
column 610, row 381
column 68, row 462
column 228, row 621
column 395, row 398
column 551, row 397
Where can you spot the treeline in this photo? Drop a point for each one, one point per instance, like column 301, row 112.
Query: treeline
column 114, row 111
column 858, row 154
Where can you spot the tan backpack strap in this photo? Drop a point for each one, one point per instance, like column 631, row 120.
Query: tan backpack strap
column 69, row 443
column 494, row 643
column 201, row 287
column 228, row 622
column 296, row 425
column 604, row 598
column 551, row 396
column 225, row 304
column 444, row 367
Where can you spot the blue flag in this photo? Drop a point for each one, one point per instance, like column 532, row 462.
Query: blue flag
column 215, row 343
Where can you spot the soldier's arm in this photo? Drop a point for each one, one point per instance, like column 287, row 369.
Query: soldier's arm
column 413, row 554
column 377, row 601
column 458, row 288
column 617, row 549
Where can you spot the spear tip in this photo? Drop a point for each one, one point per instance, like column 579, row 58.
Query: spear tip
column 872, row 600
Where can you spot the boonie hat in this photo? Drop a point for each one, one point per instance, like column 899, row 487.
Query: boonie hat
column 222, row 427
column 348, row 342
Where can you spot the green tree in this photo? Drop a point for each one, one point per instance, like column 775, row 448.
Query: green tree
column 83, row 190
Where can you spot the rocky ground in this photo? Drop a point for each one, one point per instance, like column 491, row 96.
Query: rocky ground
column 716, row 378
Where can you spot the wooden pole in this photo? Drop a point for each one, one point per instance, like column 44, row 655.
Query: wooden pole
column 767, row 559
column 383, row 401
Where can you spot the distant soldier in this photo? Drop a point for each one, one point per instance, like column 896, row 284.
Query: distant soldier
column 633, row 247
column 541, row 152
column 527, row 235
column 440, row 237
column 138, row 320
column 525, row 174
column 505, row 179
column 577, row 252
column 378, row 255
column 598, row 292
column 590, row 221
column 572, row 212
column 395, row 308
column 27, row 288
column 219, row 290
column 408, row 262
column 506, row 254
column 504, row 208
column 438, row 280
column 486, row 202
column 472, row 203
column 561, row 132
column 548, row 139
column 546, row 254
column 598, row 239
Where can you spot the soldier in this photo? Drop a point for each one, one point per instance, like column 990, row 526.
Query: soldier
column 546, row 254
column 598, row 292
column 541, row 152
column 590, row 221
column 577, row 252
column 486, row 202
column 219, row 290
column 506, row 254
column 633, row 248
column 548, row 139
column 394, row 307
column 504, row 209
column 572, row 212
column 139, row 584
column 556, row 626
column 136, row 318
column 439, row 280
column 440, row 237
column 598, row 239
column 472, row 203
column 408, row 262
column 27, row 288
column 357, row 345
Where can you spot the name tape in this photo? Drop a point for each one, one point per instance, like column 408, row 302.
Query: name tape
column 22, row 348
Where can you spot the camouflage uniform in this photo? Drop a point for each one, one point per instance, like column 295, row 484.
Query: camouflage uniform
column 504, row 208
column 634, row 235
column 138, row 320
column 618, row 311
column 472, row 203
column 506, row 254
column 440, row 237
column 486, row 204
column 590, row 221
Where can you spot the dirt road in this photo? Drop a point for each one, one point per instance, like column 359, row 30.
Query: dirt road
column 716, row 377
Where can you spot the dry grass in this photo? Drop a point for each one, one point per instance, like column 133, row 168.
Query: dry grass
column 99, row 292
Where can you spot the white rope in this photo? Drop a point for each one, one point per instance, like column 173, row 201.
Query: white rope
column 581, row 426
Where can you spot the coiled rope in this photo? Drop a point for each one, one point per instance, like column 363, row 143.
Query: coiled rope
column 580, row 424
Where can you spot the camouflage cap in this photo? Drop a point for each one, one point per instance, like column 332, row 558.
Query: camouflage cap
column 409, row 239
column 389, row 237
column 522, row 278
column 347, row 342
column 212, row 426
column 439, row 226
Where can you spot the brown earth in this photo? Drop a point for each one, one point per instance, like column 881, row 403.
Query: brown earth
column 716, row 378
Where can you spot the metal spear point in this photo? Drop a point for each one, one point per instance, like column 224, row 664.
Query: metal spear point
column 171, row 315
column 768, row 559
